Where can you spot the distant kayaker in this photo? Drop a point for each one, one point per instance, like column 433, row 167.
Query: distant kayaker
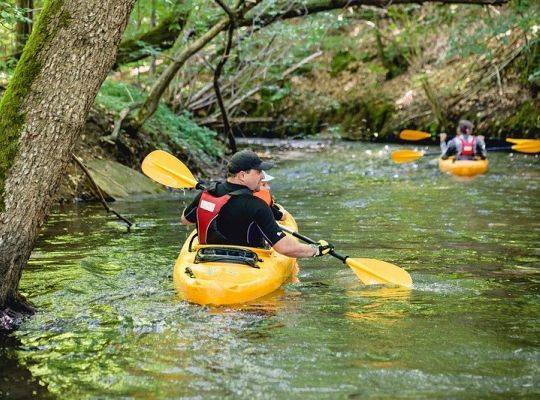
column 228, row 212
column 465, row 145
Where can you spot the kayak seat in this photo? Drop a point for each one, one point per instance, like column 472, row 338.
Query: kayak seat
column 227, row 255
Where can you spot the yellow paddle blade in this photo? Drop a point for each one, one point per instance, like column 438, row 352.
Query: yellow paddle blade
column 377, row 272
column 408, row 134
column 519, row 141
column 527, row 147
column 168, row 170
column 405, row 156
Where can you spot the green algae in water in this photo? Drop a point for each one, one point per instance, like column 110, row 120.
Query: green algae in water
column 110, row 324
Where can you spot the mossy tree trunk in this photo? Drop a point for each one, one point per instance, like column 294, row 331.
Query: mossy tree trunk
column 72, row 47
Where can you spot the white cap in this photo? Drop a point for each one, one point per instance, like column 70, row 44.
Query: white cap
column 267, row 177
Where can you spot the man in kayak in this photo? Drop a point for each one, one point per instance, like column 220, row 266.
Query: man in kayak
column 465, row 146
column 228, row 212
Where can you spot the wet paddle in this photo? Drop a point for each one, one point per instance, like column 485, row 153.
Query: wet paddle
column 170, row 171
column 412, row 135
column 368, row 270
column 405, row 156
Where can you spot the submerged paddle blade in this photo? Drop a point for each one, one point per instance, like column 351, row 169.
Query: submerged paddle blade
column 377, row 272
column 168, row 170
column 408, row 134
column 527, row 147
column 405, row 156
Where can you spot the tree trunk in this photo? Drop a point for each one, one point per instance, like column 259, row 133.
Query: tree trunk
column 72, row 47
column 162, row 83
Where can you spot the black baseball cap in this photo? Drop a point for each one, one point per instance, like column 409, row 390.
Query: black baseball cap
column 245, row 160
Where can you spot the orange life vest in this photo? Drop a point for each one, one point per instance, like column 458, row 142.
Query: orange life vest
column 265, row 195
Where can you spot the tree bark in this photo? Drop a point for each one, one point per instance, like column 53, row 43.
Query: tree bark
column 72, row 47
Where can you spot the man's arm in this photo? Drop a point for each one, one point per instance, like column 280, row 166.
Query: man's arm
column 481, row 147
column 451, row 149
column 283, row 243
column 291, row 248
column 189, row 215
column 444, row 146
column 184, row 220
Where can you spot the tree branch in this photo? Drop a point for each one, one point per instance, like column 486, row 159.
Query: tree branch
column 100, row 195
column 165, row 34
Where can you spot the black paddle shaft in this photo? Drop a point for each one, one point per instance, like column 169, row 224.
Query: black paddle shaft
column 311, row 241
column 433, row 153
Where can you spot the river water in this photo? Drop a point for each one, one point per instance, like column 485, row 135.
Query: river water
column 111, row 326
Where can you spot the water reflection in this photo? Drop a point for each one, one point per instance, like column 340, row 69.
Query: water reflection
column 381, row 305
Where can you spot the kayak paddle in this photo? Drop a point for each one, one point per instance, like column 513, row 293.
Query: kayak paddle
column 519, row 141
column 405, row 156
column 170, row 171
column 368, row 270
column 409, row 134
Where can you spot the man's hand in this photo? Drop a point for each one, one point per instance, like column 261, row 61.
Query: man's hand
column 322, row 247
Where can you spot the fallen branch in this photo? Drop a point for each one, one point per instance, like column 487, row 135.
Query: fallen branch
column 211, row 120
column 97, row 190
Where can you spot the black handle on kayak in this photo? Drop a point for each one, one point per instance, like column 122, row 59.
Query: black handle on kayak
column 311, row 241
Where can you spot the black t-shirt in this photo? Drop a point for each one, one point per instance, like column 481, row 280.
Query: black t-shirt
column 245, row 220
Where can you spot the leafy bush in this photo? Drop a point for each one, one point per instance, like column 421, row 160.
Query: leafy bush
column 164, row 124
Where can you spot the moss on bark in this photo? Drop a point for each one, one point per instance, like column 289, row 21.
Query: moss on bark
column 12, row 116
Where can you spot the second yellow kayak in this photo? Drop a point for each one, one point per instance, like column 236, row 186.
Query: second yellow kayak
column 463, row 167
column 219, row 274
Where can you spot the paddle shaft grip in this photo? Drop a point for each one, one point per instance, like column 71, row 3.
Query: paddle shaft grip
column 311, row 241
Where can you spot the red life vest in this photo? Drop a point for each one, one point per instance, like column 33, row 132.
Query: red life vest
column 468, row 148
column 209, row 208
column 207, row 211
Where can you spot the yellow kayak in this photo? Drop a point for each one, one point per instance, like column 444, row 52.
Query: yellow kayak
column 463, row 167
column 220, row 274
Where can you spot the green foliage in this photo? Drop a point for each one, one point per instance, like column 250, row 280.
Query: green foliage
column 530, row 65
column 340, row 62
column 522, row 14
column 164, row 125
column 10, row 14
column 12, row 117
column 524, row 122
